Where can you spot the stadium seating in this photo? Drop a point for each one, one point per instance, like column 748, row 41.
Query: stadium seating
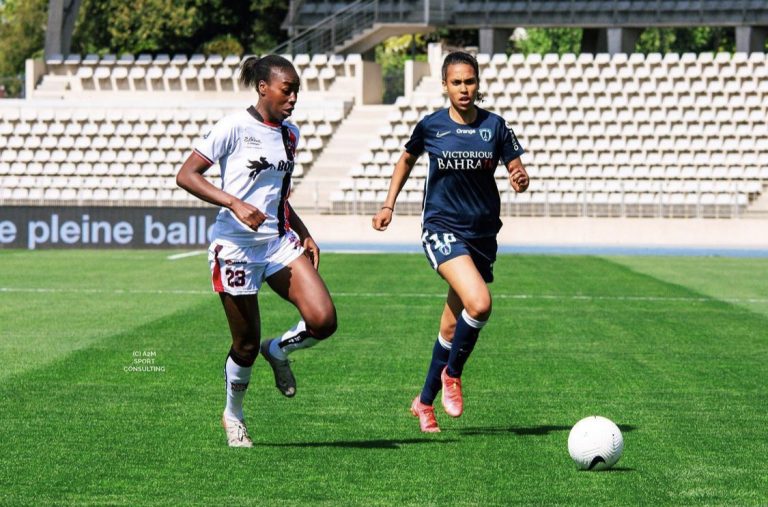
column 75, row 76
column 166, row 102
column 91, row 154
column 621, row 135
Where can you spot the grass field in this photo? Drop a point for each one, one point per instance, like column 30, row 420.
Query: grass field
column 675, row 350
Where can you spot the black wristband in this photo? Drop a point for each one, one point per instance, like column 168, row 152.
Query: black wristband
column 390, row 209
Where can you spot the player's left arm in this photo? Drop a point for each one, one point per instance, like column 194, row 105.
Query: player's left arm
column 518, row 176
column 311, row 250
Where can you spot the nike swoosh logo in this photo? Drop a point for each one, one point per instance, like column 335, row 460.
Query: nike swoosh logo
column 442, row 134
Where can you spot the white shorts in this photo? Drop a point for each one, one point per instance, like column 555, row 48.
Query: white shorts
column 241, row 270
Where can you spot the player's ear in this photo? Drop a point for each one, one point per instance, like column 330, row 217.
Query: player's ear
column 262, row 87
column 445, row 86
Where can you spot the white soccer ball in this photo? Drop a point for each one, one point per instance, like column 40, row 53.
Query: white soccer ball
column 595, row 443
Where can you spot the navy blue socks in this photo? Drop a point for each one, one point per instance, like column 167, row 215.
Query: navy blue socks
column 433, row 384
column 464, row 339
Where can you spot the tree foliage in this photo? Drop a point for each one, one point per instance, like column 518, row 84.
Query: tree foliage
column 684, row 40
column 391, row 55
column 180, row 26
column 22, row 36
column 141, row 26
column 549, row 40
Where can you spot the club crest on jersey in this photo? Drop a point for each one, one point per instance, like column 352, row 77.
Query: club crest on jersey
column 257, row 166
column 486, row 134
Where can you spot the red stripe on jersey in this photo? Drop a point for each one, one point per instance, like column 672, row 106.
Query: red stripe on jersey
column 203, row 157
column 218, row 286
column 292, row 137
column 287, row 214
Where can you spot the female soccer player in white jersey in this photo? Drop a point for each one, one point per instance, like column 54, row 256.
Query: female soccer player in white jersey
column 460, row 221
column 257, row 235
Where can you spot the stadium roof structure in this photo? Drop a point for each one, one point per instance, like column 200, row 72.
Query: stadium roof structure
column 612, row 26
column 324, row 26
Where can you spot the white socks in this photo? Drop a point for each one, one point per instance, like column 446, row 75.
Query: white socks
column 237, row 379
column 477, row 324
column 443, row 342
column 294, row 339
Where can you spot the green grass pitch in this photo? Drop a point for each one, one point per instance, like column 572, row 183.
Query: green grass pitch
column 673, row 349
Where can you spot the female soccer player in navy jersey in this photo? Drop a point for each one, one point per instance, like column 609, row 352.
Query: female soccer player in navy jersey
column 257, row 235
column 460, row 221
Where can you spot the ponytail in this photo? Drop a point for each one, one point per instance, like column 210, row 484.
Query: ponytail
column 255, row 70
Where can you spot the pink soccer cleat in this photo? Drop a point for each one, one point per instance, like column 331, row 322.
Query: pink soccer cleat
column 453, row 403
column 426, row 415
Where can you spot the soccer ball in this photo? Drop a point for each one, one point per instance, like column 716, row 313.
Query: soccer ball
column 595, row 443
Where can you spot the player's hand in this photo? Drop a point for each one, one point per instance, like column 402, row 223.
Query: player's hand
column 249, row 215
column 518, row 179
column 382, row 219
column 312, row 251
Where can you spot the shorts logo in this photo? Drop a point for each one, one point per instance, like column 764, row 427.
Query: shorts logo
column 441, row 245
column 486, row 134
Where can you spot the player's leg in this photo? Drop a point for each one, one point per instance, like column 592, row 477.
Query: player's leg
column 299, row 283
column 422, row 406
column 475, row 299
column 237, row 274
column 468, row 285
column 244, row 323
column 441, row 348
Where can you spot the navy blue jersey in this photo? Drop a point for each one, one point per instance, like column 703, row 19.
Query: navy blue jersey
column 460, row 193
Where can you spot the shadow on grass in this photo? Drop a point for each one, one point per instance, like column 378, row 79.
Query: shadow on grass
column 533, row 430
column 612, row 470
column 361, row 444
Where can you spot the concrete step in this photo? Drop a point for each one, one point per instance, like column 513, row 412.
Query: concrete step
column 342, row 151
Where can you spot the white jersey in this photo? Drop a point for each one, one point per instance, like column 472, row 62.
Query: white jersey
column 256, row 160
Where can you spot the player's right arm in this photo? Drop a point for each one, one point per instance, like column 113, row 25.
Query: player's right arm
column 190, row 178
column 400, row 175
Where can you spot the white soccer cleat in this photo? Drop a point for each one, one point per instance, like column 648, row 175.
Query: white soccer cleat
column 237, row 433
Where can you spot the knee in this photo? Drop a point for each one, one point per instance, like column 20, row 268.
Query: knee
column 447, row 330
column 323, row 324
column 479, row 307
column 244, row 352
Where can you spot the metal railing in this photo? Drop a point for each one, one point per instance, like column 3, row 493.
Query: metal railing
column 327, row 34
column 544, row 200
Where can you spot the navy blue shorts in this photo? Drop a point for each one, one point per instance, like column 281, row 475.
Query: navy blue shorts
column 443, row 246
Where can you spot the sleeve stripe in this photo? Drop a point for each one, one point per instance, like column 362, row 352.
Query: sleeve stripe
column 203, row 156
